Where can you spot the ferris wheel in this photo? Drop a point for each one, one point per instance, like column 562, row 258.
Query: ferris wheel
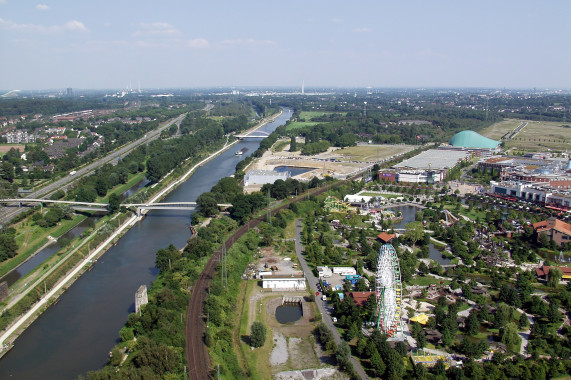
column 388, row 287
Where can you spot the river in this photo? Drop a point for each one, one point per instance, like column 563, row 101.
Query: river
column 76, row 334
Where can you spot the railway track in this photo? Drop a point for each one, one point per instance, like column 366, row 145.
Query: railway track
column 197, row 357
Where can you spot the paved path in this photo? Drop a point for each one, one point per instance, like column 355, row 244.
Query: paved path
column 320, row 303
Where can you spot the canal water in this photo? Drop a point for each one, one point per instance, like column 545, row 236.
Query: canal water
column 76, row 334
column 408, row 215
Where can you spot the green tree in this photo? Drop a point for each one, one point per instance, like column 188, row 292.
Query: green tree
column 207, row 204
column 114, row 202
column 293, row 145
column 343, row 355
column 377, row 363
column 555, row 275
column 395, row 365
column 258, row 334
column 472, row 324
column 414, row 232
column 523, row 321
column 509, row 335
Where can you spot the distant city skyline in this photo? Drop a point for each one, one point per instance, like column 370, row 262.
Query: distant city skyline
column 182, row 44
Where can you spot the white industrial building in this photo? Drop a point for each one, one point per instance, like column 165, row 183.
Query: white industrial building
column 421, row 176
column 261, row 177
column 324, row 272
column 284, row 283
column 344, row 271
column 430, row 166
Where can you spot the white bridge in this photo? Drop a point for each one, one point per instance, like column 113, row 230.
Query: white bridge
column 254, row 135
column 92, row 206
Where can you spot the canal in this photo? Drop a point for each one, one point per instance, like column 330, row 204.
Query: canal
column 76, row 334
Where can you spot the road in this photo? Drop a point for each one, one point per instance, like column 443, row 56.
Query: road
column 99, row 250
column 6, row 214
column 320, row 303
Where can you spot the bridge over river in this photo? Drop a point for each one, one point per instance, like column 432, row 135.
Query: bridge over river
column 93, row 206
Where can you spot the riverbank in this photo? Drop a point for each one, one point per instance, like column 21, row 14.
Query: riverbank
column 18, row 327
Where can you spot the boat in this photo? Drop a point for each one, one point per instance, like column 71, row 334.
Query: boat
column 241, row 151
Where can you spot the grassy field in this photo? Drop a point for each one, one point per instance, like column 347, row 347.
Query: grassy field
column 299, row 124
column 535, row 136
column 308, row 115
column 371, row 152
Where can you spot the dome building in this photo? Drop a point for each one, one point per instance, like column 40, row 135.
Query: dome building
column 471, row 139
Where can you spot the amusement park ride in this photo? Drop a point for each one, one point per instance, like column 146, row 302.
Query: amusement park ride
column 388, row 287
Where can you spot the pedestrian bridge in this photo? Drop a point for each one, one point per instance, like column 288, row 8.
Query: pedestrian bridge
column 92, row 206
column 254, row 135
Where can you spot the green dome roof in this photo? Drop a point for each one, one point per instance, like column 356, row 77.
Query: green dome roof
column 471, row 139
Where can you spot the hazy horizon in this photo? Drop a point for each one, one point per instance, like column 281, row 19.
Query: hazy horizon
column 260, row 44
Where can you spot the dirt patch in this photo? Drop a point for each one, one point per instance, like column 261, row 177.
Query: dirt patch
column 6, row 148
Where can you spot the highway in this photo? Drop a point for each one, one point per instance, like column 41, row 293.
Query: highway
column 6, row 214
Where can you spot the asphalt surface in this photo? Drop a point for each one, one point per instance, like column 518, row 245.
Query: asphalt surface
column 321, row 305
column 8, row 213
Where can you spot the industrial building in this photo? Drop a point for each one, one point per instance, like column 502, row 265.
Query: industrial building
column 261, row 177
column 430, row 166
column 284, row 283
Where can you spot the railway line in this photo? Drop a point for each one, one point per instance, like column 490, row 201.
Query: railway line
column 197, row 357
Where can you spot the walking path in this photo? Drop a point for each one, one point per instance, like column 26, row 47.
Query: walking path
column 320, row 303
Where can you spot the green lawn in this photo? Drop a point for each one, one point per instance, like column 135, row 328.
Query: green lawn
column 299, row 124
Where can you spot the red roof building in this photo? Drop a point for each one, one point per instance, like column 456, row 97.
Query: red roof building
column 543, row 272
column 555, row 229
column 386, row 238
column 360, row 298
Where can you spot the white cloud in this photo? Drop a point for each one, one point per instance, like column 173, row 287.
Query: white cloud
column 197, row 43
column 156, row 29
column 42, row 7
column 336, row 20
column 2, row 1
column 248, row 42
column 70, row 26
column 362, row 30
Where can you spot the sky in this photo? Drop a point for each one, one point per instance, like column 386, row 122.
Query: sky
column 98, row 44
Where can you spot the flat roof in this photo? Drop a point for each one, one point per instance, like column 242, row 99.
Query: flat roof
column 434, row 159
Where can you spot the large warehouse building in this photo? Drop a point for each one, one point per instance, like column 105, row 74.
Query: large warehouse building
column 430, row 166
column 261, row 177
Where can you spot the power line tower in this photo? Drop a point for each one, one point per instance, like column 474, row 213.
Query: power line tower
column 269, row 212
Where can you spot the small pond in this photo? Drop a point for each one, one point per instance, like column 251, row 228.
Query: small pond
column 288, row 313
column 408, row 215
column 293, row 171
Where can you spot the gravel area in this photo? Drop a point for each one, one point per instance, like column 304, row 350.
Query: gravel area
column 309, row 374
column 279, row 353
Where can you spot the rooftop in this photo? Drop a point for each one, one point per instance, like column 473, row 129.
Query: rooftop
column 434, row 159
